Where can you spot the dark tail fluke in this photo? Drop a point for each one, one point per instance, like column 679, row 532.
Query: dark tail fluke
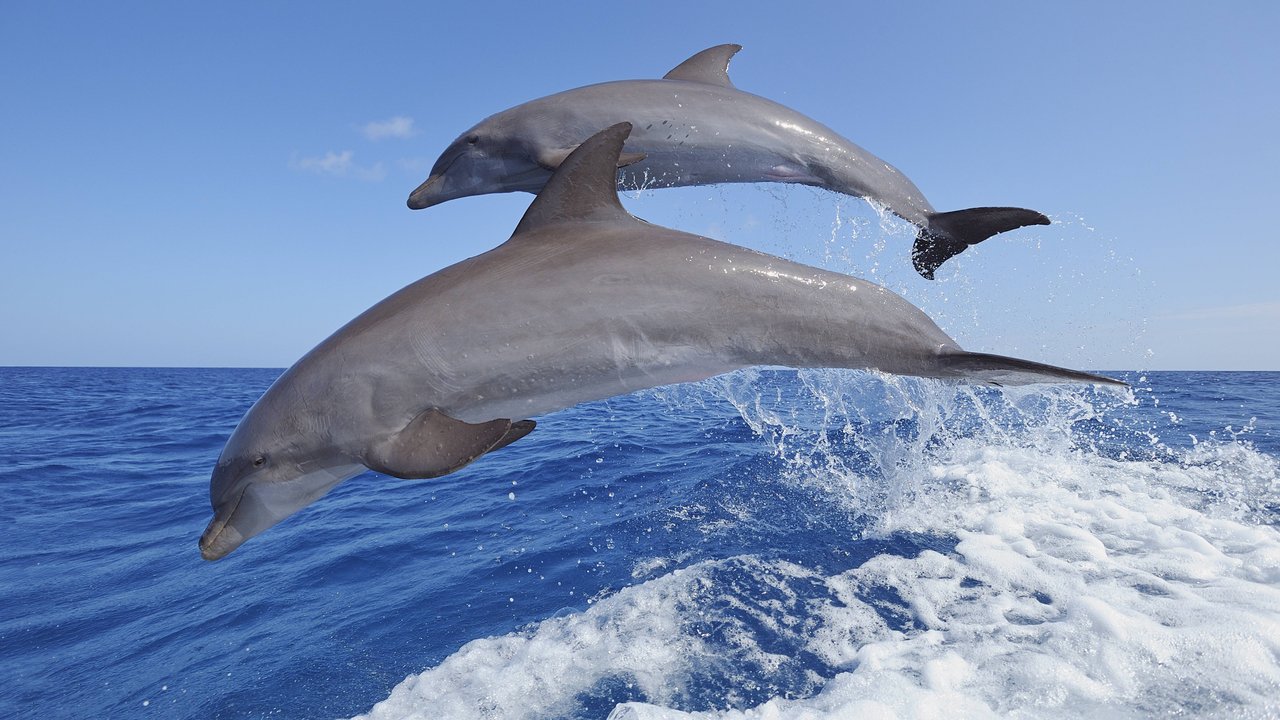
column 1001, row 370
column 949, row 233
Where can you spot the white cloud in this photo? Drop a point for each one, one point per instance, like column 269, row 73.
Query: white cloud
column 398, row 127
column 372, row 173
column 331, row 163
column 339, row 164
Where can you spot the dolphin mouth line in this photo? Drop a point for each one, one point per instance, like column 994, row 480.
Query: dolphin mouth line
column 207, row 542
column 416, row 199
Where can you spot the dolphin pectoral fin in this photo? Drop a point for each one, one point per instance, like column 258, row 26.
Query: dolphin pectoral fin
column 630, row 158
column 434, row 444
column 949, row 233
column 551, row 159
column 711, row 66
column 519, row 429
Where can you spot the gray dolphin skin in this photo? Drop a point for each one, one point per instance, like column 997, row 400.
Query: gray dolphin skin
column 693, row 127
column 583, row 302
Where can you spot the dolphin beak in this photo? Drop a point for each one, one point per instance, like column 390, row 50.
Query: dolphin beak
column 427, row 194
column 260, row 505
column 219, row 537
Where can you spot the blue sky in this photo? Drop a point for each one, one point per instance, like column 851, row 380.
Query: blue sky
column 224, row 183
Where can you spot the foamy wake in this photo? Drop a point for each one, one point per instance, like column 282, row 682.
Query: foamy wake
column 1081, row 584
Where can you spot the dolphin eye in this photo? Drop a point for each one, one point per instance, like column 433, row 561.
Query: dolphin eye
column 259, row 461
column 473, row 139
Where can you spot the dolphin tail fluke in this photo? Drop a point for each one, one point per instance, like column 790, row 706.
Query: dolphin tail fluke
column 949, row 233
column 1001, row 370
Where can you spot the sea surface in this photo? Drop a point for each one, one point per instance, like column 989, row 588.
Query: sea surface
column 771, row 543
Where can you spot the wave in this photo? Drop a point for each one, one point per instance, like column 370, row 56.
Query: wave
column 1042, row 552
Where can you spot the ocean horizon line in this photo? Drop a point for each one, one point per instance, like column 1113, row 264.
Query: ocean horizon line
column 4, row 366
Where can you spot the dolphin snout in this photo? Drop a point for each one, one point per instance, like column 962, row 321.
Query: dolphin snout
column 427, row 194
column 262, row 502
column 220, row 538
column 218, row 541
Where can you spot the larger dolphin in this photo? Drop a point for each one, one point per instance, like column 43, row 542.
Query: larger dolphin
column 583, row 302
column 693, row 127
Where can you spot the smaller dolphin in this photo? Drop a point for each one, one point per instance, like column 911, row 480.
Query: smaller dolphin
column 583, row 302
column 693, row 127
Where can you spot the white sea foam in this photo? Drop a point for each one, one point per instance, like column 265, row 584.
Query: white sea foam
column 1081, row 584
column 1078, row 588
column 635, row 634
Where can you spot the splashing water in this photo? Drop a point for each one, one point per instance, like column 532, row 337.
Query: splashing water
column 1065, row 294
column 912, row 548
column 995, row 552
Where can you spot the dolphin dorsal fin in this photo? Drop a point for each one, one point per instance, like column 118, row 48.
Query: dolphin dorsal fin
column 711, row 66
column 584, row 186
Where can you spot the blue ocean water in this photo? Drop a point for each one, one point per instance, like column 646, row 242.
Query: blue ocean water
column 764, row 544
